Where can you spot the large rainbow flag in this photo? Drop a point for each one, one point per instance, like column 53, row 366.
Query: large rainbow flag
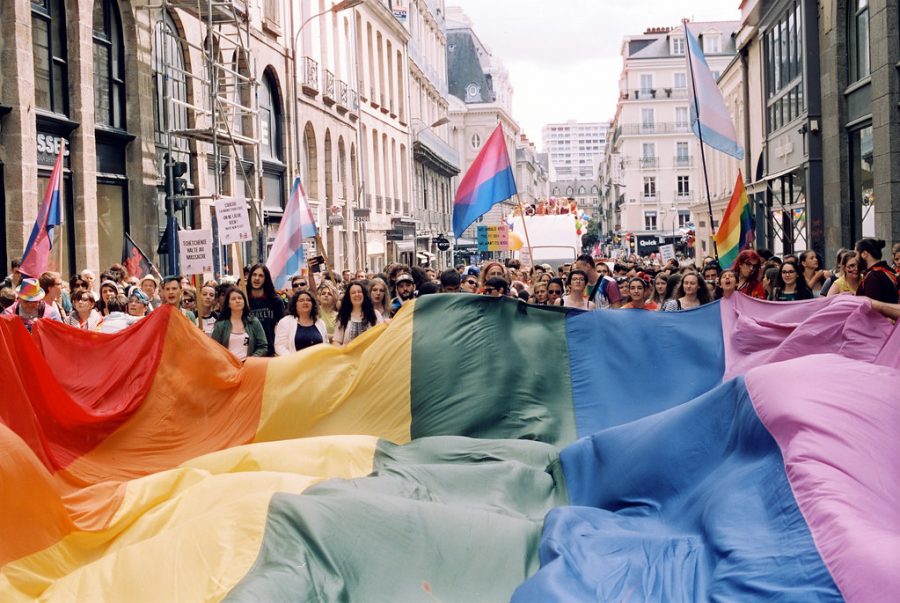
column 476, row 449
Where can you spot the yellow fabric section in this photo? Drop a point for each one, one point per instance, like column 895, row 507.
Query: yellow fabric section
column 360, row 389
column 195, row 529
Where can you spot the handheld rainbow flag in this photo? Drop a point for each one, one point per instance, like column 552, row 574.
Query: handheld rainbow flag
column 40, row 243
column 488, row 181
column 710, row 119
column 286, row 257
column 736, row 229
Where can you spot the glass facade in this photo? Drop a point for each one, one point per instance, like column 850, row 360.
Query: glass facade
column 783, row 44
column 858, row 42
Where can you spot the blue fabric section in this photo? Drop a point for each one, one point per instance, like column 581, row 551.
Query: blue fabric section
column 691, row 504
column 628, row 364
column 716, row 140
column 498, row 188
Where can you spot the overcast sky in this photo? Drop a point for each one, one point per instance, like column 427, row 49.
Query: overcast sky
column 563, row 55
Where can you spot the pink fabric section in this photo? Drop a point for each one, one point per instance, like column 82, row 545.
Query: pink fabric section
column 759, row 332
column 841, row 446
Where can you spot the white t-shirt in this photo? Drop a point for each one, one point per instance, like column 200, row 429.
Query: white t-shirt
column 237, row 345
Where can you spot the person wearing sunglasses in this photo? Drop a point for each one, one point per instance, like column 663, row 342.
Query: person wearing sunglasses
column 468, row 284
column 495, row 287
column 789, row 286
column 747, row 267
column 299, row 283
column 555, row 291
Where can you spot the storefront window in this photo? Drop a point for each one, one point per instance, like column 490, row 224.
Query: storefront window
column 110, row 222
column 48, row 35
column 109, row 66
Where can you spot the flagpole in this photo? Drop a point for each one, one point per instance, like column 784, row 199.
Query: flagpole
column 687, row 47
column 525, row 228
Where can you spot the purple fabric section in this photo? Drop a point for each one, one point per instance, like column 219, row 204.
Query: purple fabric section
column 841, row 451
column 761, row 332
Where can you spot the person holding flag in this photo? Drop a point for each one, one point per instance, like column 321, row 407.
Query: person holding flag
column 286, row 258
column 40, row 243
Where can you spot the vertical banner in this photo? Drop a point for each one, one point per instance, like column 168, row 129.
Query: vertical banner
column 195, row 251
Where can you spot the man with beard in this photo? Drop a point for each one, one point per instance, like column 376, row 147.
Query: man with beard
column 406, row 290
column 878, row 281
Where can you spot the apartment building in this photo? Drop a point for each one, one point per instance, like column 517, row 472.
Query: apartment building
column 654, row 164
column 575, row 149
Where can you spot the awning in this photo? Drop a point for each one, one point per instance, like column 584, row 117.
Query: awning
column 462, row 242
column 425, row 256
column 403, row 246
column 375, row 245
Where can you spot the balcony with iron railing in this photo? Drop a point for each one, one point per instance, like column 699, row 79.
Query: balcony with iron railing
column 649, row 163
column 329, row 94
column 379, row 203
column 343, row 97
column 661, row 127
column 645, row 94
column 310, row 75
column 354, row 105
column 683, row 195
column 683, row 161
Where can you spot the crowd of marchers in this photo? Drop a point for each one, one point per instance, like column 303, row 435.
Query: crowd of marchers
column 250, row 317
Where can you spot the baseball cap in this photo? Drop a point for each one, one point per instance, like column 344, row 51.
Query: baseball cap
column 30, row 290
column 405, row 277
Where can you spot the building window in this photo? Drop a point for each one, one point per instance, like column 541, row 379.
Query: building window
column 684, row 218
column 784, row 69
column 680, row 81
column 684, row 187
column 649, row 220
column 858, row 44
column 681, row 118
column 48, row 35
column 472, row 92
column 646, row 83
column 269, row 120
column 650, row 188
column 476, row 141
column 712, row 44
column 109, row 66
column 678, row 46
column 862, row 183
column 648, row 119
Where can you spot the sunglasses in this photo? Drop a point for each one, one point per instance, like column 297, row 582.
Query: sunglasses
column 554, row 292
column 299, row 285
column 473, row 283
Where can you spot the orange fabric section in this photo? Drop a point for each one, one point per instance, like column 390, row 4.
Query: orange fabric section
column 201, row 400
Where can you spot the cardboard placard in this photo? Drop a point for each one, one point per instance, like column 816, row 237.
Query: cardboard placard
column 195, row 251
column 233, row 221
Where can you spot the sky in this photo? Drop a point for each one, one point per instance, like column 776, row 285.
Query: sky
column 563, row 55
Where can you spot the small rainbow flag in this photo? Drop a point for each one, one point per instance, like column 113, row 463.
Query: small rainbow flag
column 736, row 229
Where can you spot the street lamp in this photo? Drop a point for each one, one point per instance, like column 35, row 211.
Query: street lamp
column 340, row 6
column 440, row 122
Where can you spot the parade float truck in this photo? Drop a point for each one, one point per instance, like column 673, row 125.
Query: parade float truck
column 555, row 239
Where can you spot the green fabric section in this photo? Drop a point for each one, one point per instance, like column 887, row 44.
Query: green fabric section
column 489, row 367
column 458, row 517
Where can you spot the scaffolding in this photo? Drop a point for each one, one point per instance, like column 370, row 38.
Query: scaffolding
column 211, row 111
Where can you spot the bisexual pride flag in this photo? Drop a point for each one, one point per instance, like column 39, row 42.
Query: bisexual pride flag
column 488, row 181
column 40, row 244
column 475, row 449
column 287, row 258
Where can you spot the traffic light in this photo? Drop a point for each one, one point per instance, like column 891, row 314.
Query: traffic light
column 176, row 186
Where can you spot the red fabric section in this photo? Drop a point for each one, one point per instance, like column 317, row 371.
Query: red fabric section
column 68, row 389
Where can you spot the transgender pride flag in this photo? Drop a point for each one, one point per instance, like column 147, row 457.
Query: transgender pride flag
column 488, row 181
column 286, row 257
